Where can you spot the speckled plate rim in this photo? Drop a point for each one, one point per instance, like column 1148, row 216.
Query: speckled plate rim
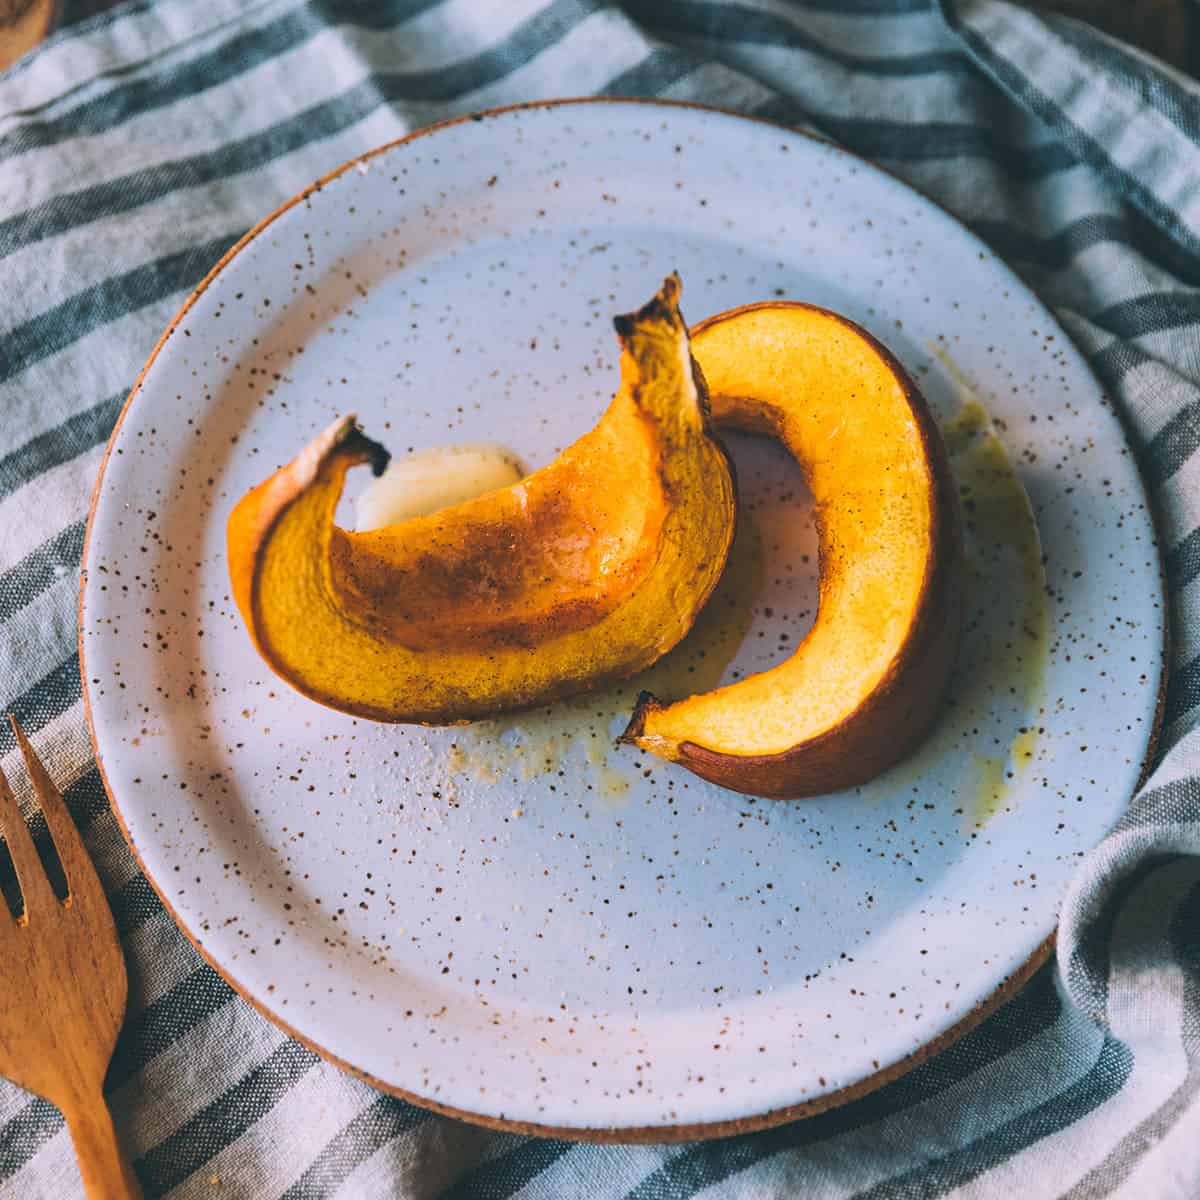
column 599, row 1134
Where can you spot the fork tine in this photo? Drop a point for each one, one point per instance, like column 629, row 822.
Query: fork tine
column 35, row 887
column 77, row 865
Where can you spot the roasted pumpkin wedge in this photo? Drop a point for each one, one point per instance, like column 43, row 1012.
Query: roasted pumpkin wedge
column 865, row 684
column 583, row 573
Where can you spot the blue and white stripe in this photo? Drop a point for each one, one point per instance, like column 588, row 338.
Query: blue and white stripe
column 137, row 146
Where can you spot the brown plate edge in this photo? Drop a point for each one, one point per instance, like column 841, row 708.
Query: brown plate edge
column 645, row 1134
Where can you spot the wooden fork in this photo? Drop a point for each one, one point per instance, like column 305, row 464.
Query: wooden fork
column 64, row 985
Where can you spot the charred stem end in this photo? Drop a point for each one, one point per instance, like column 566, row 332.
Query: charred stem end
column 664, row 306
column 646, row 703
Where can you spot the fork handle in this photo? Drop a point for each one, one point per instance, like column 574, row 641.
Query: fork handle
column 105, row 1168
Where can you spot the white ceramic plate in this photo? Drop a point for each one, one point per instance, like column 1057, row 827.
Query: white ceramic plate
column 517, row 921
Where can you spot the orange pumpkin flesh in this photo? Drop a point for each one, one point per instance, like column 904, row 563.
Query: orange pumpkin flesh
column 583, row 573
column 865, row 684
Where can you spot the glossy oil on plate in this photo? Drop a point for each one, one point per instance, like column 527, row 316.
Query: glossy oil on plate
column 517, row 920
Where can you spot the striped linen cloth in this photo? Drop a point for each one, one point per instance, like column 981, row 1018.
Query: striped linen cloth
column 138, row 145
